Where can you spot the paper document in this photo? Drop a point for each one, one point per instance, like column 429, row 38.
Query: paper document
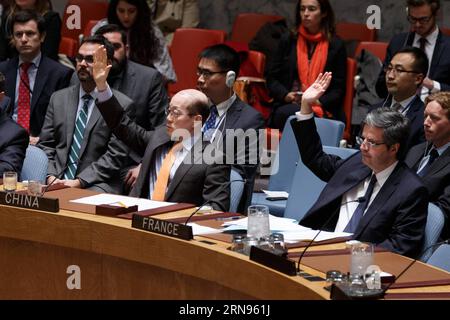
column 276, row 194
column 277, row 224
column 199, row 230
column 121, row 201
column 290, row 237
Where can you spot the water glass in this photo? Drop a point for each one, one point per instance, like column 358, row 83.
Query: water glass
column 361, row 258
column 249, row 242
column 238, row 243
column 34, row 188
column 258, row 221
column 9, row 181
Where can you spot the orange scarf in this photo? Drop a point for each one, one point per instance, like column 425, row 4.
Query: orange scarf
column 309, row 70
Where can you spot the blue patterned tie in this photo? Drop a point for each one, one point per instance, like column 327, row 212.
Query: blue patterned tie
column 433, row 155
column 80, row 125
column 358, row 214
column 210, row 124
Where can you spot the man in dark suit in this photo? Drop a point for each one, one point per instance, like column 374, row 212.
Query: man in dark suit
column 372, row 194
column 31, row 77
column 431, row 160
column 422, row 16
column 142, row 84
column 217, row 70
column 13, row 139
column 173, row 164
column 404, row 75
column 82, row 151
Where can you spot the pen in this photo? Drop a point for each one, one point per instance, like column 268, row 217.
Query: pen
column 228, row 218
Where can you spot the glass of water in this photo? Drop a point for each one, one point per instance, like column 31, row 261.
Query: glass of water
column 9, row 181
column 258, row 221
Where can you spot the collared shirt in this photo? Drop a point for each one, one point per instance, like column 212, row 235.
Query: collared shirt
column 429, row 50
column 32, row 72
column 349, row 203
column 425, row 159
column 406, row 104
column 222, row 109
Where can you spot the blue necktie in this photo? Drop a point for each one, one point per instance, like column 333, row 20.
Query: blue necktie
column 358, row 214
column 433, row 156
column 80, row 125
column 210, row 124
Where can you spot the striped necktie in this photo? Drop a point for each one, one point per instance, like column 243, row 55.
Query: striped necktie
column 80, row 125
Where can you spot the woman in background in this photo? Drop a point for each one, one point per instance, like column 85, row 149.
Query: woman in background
column 314, row 49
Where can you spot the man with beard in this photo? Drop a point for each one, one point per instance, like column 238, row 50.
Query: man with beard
column 82, row 151
column 31, row 77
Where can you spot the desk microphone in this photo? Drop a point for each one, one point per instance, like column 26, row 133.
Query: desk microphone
column 58, row 176
column 359, row 200
column 222, row 187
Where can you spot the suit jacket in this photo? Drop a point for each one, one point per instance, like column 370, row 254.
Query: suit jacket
column 439, row 69
column 415, row 116
column 51, row 76
column 284, row 72
column 437, row 180
column 184, row 187
column 101, row 155
column 13, row 144
column 397, row 216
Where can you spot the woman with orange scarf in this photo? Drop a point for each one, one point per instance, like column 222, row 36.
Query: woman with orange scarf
column 300, row 59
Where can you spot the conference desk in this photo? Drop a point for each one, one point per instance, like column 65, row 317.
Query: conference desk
column 39, row 249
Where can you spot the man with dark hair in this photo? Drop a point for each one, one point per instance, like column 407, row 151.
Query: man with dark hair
column 82, row 151
column 31, row 77
column 404, row 75
column 173, row 166
column 371, row 194
column 425, row 35
column 13, row 139
column 217, row 70
column 431, row 159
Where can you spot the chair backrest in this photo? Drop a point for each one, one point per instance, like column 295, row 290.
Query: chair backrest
column 258, row 59
column 433, row 229
column 288, row 155
column 68, row 46
column 441, row 257
column 355, row 31
column 35, row 165
column 246, row 25
column 89, row 10
column 348, row 98
column 236, row 190
column 186, row 46
column 306, row 187
column 445, row 31
column 88, row 27
column 376, row 48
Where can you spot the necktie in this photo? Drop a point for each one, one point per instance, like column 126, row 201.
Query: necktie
column 78, row 134
column 397, row 107
column 433, row 155
column 159, row 192
column 210, row 124
column 422, row 43
column 358, row 214
column 23, row 102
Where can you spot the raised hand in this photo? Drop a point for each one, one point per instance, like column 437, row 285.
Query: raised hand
column 100, row 68
column 315, row 91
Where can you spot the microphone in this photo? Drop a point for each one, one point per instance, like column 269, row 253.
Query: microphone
column 222, row 187
column 359, row 200
column 58, row 176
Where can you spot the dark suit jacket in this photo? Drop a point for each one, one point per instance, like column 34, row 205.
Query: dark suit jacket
column 196, row 182
column 437, row 180
column 396, row 217
column 13, row 144
column 281, row 78
column 439, row 64
column 415, row 116
column 51, row 76
column 101, row 156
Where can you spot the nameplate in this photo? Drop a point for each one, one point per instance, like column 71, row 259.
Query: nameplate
column 273, row 261
column 22, row 200
column 165, row 227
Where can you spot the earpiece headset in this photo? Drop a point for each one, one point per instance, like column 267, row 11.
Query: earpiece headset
column 230, row 78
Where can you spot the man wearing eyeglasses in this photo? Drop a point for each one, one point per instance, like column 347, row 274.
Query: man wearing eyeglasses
column 424, row 34
column 31, row 77
column 372, row 194
column 404, row 75
column 82, row 151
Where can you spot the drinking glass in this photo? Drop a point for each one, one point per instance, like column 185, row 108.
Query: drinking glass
column 9, row 181
column 258, row 221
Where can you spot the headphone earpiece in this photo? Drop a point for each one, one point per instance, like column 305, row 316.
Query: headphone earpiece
column 230, row 78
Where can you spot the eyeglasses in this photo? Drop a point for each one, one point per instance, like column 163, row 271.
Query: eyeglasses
column 398, row 70
column 421, row 20
column 369, row 143
column 174, row 113
column 89, row 59
column 206, row 73
column 29, row 34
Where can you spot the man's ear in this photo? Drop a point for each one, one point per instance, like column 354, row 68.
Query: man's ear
column 395, row 147
column 2, row 95
column 43, row 34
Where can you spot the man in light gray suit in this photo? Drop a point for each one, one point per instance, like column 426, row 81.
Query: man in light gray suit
column 81, row 149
